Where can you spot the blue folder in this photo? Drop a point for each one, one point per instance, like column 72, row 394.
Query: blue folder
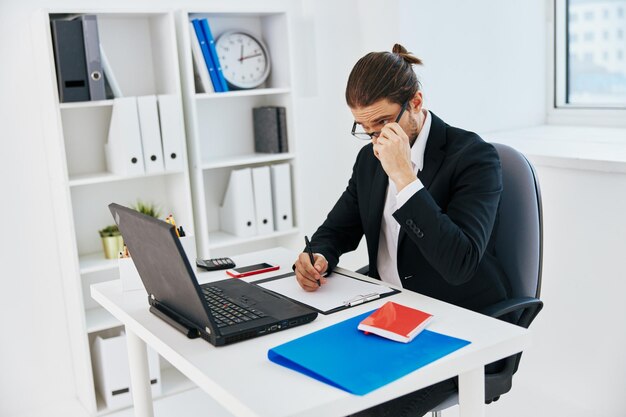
column 204, row 46
column 345, row 357
column 216, row 60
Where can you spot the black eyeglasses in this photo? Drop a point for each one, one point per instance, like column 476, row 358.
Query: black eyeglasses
column 370, row 136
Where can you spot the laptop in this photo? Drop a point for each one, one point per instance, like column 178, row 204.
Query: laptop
column 221, row 312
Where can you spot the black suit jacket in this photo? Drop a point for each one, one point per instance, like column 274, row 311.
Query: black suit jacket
column 446, row 228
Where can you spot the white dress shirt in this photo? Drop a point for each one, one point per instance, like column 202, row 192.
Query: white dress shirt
column 389, row 227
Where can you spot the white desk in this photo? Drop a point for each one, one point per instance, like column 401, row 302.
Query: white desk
column 246, row 383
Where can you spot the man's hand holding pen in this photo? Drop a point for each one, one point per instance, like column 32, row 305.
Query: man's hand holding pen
column 310, row 269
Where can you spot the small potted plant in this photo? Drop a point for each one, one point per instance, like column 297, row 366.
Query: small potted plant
column 148, row 209
column 112, row 241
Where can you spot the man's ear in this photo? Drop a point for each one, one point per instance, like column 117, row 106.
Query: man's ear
column 417, row 101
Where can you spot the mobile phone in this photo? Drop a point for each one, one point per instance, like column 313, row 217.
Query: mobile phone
column 244, row 271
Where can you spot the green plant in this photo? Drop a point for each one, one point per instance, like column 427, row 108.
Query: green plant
column 110, row 231
column 147, row 208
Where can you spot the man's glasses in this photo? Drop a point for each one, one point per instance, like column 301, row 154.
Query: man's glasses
column 370, row 136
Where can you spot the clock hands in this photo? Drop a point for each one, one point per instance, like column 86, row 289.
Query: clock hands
column 249, row 56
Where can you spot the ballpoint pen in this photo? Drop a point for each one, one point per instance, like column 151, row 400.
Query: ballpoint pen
column 310, row 252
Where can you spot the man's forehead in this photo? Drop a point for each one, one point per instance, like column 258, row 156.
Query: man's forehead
column 373, row 111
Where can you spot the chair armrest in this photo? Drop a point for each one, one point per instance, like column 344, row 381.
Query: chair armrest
column 528, row 307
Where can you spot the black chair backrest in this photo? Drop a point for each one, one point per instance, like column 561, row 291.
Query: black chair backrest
column 519, row 238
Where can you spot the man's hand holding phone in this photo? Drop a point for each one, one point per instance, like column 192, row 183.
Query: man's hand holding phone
column 307, row 274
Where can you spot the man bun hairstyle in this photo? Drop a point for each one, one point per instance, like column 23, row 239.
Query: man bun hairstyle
column 383, row 75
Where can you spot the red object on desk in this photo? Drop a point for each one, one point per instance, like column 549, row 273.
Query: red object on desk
column 246, row 271
column 396, row 322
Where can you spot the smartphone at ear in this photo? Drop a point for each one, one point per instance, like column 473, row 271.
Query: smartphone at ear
column 248, row 270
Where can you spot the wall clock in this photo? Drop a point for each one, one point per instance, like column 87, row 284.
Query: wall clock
column 244, row 59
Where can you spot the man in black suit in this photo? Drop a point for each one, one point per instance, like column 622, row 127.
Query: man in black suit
column 424, row 194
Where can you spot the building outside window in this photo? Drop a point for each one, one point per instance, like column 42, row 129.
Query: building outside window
column 590, row 64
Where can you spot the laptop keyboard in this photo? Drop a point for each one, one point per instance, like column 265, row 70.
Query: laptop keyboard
column 225, row 311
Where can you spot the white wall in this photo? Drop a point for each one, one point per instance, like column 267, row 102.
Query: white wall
column 577, row 366
column 35, row 363
column 484, row 61
column 484, row 71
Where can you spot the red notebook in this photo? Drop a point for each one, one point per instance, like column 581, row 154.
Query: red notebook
column 395, row 322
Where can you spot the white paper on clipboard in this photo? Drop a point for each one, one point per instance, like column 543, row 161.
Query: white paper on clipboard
column 340, row 291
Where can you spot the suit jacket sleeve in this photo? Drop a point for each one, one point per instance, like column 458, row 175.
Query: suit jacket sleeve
column 453, row 239
column 342, row 230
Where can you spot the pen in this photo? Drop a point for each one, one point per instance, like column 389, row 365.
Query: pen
column 310, row 252
column 170, row 220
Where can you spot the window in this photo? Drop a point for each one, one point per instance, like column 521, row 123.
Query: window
column 589, row 54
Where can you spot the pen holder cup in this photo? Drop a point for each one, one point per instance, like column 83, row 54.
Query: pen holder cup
column 189, row 245
column 129, row 275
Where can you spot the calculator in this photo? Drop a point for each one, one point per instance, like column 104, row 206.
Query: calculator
column 215, row 264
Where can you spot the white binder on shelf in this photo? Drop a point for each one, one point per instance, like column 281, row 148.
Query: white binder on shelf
column 262, row 184
column 172, row 131
column 281, row 196
column 150, row 134
column 237, row 211
column 110, row 363
column 123, row 149
column 109, row 76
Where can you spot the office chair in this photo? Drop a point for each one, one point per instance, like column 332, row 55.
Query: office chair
column 519, row 247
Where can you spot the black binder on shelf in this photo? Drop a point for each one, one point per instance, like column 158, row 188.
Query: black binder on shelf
column 270, row 129
column 282, row 129
column 69, row 54
column 95, row 75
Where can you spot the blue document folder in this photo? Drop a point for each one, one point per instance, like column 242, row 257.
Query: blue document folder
column 345, row 357
column 204, row 47
column 216, row 60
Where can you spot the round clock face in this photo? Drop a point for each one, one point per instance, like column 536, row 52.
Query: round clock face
column 244, row 59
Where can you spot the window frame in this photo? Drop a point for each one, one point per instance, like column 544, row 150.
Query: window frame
column 560, row 112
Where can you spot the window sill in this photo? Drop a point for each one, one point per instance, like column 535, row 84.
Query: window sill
column 571, row 147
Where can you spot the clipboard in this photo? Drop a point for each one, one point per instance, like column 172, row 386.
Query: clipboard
column 342, row 291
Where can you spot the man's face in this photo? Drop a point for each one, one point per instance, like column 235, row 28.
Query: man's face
column 372, row 118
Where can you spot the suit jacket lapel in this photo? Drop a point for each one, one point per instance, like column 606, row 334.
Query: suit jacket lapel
column 434, row 153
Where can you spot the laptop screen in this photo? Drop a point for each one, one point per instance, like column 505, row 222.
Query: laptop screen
column 161, row 263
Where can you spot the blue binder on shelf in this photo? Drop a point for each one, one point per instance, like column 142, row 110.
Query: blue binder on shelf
column 216, row 60
column 204, row 46
column 344, row 357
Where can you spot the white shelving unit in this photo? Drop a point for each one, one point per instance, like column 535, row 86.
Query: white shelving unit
column 220, row 126
column 142, row 50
